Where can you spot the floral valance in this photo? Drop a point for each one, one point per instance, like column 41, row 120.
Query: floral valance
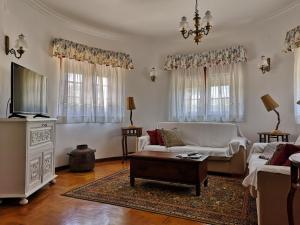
column 67, row 49
column 292, row 39
column 206, row 59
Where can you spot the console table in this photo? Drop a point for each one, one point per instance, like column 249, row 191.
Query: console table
column 129, row 132
column 295, row 185
column 267, row 136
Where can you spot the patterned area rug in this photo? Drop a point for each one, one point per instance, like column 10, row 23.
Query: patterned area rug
column 223, row 202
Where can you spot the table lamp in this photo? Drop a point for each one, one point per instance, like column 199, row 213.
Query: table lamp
column 271, row 105
column 130, row 106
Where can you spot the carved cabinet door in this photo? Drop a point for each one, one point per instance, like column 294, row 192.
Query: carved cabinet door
column 34, row 172
column 48, row 168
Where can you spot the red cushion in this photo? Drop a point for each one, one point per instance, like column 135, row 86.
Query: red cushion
column 160, row 140
column 282, row 154
column 153, row 137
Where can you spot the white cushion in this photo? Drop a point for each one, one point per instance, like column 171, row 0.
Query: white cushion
column 223, row 152
column 154, row 148
column 216, row 135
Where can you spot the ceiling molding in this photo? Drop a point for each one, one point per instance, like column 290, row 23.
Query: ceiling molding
column 115, row 35
column 283, row 10
column 72, row 24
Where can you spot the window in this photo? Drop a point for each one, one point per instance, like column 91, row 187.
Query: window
column 90, row 93
column 297, row 85
column 210, row 94
column 219, row 95
column 74, row 88
column 102, row 90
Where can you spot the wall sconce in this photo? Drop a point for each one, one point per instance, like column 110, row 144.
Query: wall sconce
column 153, row 74
column 21, row 46
column 265, row 64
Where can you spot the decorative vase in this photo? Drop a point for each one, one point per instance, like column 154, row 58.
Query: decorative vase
column 82, row 159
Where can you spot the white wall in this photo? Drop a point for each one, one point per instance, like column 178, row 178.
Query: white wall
column 265, row 38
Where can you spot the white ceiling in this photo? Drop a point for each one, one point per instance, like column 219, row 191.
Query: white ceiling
column 157, row 18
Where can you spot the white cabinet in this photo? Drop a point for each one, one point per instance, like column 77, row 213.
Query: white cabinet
column 26, row 156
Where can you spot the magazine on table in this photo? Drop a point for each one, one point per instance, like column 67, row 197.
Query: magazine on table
column 189, row 155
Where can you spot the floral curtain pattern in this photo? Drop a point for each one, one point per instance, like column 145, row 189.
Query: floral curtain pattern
column 292, row 39
column 67, row 49
column 225, row 56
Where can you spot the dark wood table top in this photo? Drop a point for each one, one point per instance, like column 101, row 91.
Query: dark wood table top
column 274, row 134
column 164, row 156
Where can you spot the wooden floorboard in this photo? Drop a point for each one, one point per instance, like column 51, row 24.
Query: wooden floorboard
column 49, row 207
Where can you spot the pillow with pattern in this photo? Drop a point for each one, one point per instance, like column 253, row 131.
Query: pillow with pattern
column 171, row 138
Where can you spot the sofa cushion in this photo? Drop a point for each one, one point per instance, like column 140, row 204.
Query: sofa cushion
column 153, row 137
column 204, row 134
column 171, row 138
column 160, row 140
column 282, row 154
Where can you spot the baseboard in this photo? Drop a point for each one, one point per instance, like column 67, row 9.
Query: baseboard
column 60, row 168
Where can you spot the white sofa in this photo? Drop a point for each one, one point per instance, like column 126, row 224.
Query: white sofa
column 222, row 142
column 270, row 185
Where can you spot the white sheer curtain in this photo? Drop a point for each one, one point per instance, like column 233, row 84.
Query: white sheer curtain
column 214, row 96
column 224, row 93
column 90, row 93
column 187, row 95
column 297, row 84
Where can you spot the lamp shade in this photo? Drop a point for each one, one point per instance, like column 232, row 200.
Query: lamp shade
column 269, row 102
column 130, row 103
column 21, row 42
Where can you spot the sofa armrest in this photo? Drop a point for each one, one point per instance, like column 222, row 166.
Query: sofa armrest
column 238, row 143
column 272, row 192
column 142, row 142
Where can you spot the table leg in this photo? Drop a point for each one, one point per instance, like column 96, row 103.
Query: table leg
column 131, row 181
column 268, row 138
column 206, row 182
column 126, row 148
column 198, row 189
column 123, row 148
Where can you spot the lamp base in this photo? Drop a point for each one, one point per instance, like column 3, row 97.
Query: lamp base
column 276, row 132
column 131, row 126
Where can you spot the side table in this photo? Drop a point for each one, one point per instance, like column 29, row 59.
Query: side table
column 267, row 136
column 129, row 132
column 295, row 185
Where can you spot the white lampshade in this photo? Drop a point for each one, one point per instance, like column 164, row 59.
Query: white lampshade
column 153, row 72
column 21, row 42
column 208, row 17
column 183, row 23
column 264, row 61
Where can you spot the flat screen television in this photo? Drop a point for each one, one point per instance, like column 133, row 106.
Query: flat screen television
column 28, row 92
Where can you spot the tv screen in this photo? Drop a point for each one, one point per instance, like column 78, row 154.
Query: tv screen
column 28, row 91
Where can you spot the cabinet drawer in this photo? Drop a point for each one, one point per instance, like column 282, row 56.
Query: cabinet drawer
column 40, row 134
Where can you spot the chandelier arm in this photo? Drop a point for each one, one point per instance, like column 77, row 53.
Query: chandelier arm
column 186, row 34
column 204, row 30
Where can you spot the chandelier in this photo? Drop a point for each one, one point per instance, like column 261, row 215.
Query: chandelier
column 201, row 27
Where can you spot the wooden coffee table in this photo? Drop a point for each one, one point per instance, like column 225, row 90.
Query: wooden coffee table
column 165, row 166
